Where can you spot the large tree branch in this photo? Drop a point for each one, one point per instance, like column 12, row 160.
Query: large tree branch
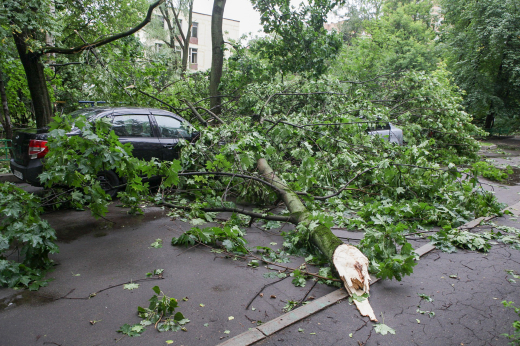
column 349, row 262
column 235, row 210
column 104, row 41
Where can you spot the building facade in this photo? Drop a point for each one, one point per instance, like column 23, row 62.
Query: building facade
column 200, row 43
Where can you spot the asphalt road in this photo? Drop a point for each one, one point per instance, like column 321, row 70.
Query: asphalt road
column 97, row 255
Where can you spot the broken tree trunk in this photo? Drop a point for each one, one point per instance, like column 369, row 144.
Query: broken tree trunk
column 350, row 263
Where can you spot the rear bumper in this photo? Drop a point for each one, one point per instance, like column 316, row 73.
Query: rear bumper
column 28, row 173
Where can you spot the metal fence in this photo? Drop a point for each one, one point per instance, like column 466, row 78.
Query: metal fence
column 5, row 149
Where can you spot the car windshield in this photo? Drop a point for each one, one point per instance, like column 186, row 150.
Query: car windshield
column 87, row 112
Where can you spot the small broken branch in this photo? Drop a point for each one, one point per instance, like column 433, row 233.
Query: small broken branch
column 262, row 289
column 211, row 113
column 195, row 113
column 233, row 210
column 232, row 175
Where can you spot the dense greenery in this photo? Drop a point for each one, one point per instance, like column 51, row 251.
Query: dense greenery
column 291, row 100
column 25, row 239
column 400, row 39
column 482, row 41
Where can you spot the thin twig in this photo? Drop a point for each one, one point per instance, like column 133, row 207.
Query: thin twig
column 266, row 285
column 109, row 287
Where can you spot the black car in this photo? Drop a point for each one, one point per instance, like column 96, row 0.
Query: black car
column 154, row 133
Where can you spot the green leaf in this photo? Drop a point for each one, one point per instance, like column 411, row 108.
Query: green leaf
column 383, row 329
column 130, row 286
column 156, row 289
column 157, row 244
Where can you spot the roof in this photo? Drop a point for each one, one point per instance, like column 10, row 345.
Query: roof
column 209, row 15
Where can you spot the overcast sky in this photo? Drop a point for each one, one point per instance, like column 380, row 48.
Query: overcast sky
column 241, row 10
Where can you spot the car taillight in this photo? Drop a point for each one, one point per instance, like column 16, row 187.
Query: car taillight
column 37, row 149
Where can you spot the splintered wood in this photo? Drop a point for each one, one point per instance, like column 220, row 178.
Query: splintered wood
column 352, row 267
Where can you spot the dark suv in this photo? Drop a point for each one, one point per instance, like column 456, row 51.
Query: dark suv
column 152, row 132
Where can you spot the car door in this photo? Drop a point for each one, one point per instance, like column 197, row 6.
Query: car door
column 134, row 126
column 171, row 130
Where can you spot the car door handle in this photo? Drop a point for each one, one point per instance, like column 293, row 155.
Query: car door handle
column 168, row 146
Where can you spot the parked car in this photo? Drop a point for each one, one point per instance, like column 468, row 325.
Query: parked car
column 388, row 131
column 152, row 132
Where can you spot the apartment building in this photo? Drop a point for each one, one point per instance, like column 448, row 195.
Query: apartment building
column 200, row 43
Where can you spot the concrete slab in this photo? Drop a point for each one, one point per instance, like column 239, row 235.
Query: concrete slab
column 247, row 338
column 8, row 177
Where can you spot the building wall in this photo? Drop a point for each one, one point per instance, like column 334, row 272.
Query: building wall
column 202, row 43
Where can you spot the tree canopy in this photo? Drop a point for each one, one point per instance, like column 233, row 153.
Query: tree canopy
column 482, row 42
column 300, row 99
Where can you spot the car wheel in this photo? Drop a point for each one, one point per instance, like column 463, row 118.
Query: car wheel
column 109, row 182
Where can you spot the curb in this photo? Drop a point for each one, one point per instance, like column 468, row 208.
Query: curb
column 285, row 320
column 8, row 177
column 281, row 322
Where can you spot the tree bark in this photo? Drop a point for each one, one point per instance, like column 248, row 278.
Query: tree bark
column 34, row 71
column 347, row 260
column 217, row 56
column 186, row 53
column 6, row 122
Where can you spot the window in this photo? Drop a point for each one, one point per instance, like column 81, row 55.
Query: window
column 193, row 55
column 132, row 126
column 178, row 51
column 158, row 47
column 170, row 127
column 195, row 30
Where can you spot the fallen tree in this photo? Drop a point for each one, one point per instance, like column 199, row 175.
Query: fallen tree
column 350, row 263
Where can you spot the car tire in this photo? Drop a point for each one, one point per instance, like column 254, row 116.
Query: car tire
column 109, row 181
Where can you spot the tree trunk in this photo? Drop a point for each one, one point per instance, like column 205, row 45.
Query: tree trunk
column 217, row 56
column 36, row 81
column 490, row 120
column 349, row 262
column 186, row 53
column 490, row 117
column 172, row 23
column 6, row 121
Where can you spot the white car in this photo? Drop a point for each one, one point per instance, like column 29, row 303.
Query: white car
column 389, row 132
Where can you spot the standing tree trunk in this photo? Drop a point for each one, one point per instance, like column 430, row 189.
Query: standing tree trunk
column 349, row 262
column 175, row 23
column 5, row 108
column 186, row 52
column 36, row 81
column 217, row 56
column 490, row 117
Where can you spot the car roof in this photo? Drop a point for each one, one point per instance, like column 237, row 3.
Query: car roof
column 101, row 110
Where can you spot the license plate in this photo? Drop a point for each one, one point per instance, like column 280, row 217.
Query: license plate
column 17, row 174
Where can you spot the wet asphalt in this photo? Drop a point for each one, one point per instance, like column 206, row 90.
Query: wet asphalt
column 98, row 256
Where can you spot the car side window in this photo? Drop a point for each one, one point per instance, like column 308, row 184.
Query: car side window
column 132, row 126
column 170, row 127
